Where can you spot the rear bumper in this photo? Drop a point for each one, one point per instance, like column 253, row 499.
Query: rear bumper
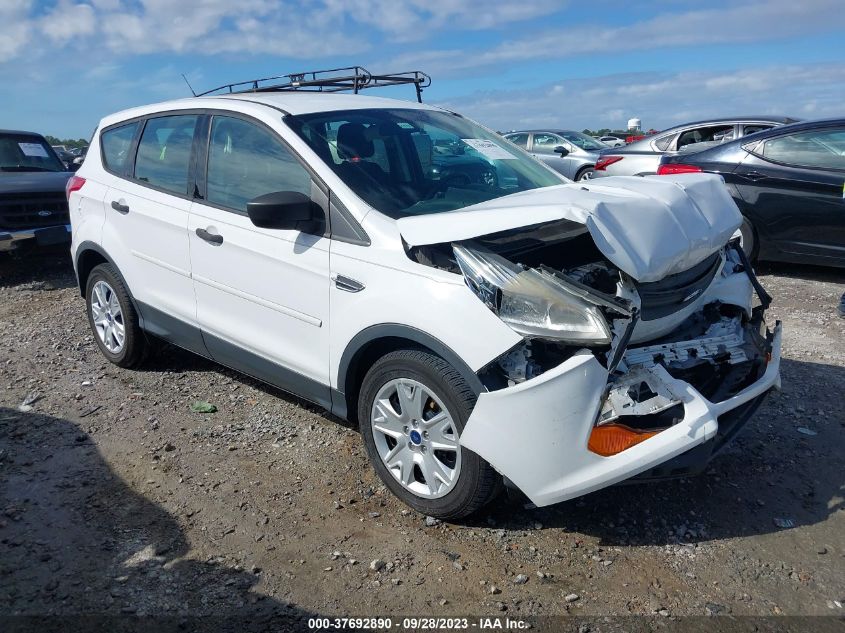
column 536, row 433
column 44, row 236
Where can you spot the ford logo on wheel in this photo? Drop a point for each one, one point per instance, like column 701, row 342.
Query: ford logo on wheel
column 44, row 213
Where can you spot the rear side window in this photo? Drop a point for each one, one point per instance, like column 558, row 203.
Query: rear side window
column 164, row 153
column 751, row 129
column 116, row 143
column 719, row 133
column 663, row 143
column 246, row 161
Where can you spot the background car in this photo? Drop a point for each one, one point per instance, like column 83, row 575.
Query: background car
column 33, row 206
column 641, row 158
column 568, row 152
column 789, row 184
column 612, row 141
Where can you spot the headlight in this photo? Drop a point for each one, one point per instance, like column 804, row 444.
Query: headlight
column 533, row 303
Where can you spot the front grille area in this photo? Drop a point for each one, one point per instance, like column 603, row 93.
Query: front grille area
column 673, row 293
column 32, row 210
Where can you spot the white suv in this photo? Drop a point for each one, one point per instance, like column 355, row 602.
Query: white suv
column 483, row 319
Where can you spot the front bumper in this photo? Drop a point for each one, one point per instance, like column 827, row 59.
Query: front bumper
column 44, row 236
column 536, row 433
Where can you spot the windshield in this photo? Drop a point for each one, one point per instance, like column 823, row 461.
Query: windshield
column 583, row 141
column 22, row 152
column 416, row 162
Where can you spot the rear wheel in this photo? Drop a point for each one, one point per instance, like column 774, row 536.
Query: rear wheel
column 412, row 409
column 585, row 173
column 112, row 317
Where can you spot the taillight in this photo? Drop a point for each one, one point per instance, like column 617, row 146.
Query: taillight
column 603, row 162
column 676, row 168
column 73, row 184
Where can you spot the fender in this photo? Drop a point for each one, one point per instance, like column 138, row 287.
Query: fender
column 345, row 377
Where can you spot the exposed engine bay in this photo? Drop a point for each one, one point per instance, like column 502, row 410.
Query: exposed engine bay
column 717, row 347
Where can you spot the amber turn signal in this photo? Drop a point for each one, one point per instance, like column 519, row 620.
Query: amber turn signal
column 611, row 439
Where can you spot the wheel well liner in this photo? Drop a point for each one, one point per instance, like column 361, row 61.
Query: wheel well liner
column 374, row 342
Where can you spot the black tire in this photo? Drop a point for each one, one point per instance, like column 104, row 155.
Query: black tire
column 135, row 345
column 749, row 239
column 585, row 173
column 477, row 483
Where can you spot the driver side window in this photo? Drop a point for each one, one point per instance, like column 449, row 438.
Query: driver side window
column 545, row 143
column 246, row 161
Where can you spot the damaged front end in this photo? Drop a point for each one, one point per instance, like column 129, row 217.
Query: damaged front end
column 614, row 378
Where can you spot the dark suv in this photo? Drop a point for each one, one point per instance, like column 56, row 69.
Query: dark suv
column 33, row 205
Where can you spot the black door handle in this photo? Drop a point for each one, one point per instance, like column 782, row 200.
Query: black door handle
column 120, row 208
column 209, row 237
column 753, row 175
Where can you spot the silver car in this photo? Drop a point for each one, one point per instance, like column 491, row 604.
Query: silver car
column 570, row 153
column 641, row 158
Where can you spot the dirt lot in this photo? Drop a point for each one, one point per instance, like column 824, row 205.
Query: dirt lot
column 115, row 498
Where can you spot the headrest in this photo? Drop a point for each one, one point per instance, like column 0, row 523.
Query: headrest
column 352, row 142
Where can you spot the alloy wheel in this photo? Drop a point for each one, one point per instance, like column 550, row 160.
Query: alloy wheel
column 416, row 438
column 107, row 317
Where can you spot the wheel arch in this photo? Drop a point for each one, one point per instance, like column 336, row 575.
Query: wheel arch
column 370, row 344
column 88, row 256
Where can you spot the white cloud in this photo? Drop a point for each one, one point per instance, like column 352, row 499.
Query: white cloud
column 662, row 99
column 764, row 20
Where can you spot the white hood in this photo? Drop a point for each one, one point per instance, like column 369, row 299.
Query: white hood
column 648, row 227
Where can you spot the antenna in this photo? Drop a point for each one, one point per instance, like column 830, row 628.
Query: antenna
column 189, row 85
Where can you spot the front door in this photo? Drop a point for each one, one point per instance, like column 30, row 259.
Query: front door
column 262, row 294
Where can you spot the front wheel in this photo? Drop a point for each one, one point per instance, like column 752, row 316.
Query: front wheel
column 412, row 409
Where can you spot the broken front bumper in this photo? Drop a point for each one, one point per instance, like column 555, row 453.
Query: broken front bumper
column 536, row 433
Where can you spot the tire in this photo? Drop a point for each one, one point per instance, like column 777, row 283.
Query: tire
column 107, row 296
column 748, row 237
column 585, row 173
column 443, row 395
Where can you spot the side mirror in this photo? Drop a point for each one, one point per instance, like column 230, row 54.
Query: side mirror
column 73, row 167
column 560, row 149
column 285, row 210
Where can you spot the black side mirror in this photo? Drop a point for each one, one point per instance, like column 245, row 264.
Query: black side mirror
column 285, row 210
column 560, row 149
column 73, row 167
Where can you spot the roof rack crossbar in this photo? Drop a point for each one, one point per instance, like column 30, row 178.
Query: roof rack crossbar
column 354, row 78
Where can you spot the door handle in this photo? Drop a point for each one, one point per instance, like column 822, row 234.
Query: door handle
column 211, row 238
column 753, row 175
column 120, row 207
column 348, row 284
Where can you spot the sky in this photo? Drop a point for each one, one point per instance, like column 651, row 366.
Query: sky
column 64, row 64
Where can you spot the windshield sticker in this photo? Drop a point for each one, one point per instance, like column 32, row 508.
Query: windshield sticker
column 488, row 149
column 33, row 149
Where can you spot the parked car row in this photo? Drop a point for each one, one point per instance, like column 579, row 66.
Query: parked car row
column 789, row 184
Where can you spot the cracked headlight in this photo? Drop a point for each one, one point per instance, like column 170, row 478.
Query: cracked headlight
column 533, row 303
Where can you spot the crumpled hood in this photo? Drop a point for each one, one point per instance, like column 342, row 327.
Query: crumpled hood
column 648, row 227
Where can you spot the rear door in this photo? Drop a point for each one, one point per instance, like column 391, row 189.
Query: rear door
column 146, row 230
column 793, row 186
column 262, row 294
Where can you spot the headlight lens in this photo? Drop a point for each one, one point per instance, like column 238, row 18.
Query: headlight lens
column 533, row 303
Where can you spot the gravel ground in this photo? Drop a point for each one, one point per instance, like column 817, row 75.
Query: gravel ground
column 116, row 498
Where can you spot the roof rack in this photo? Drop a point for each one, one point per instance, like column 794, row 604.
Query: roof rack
column 354, row 78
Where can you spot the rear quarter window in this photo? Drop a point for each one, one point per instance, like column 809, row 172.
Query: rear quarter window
column 116, row 143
